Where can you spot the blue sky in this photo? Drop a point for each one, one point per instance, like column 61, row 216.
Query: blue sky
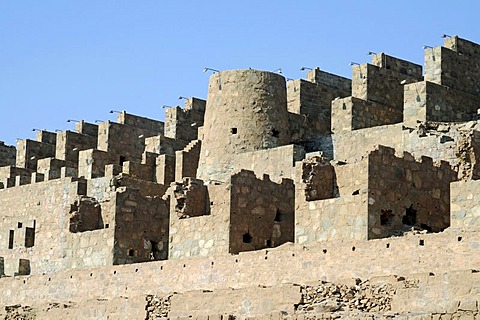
column 65, row 59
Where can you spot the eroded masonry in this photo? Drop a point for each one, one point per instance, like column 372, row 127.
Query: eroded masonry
column 303, row 199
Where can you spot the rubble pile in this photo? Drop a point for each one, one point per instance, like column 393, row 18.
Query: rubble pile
column 331, row 297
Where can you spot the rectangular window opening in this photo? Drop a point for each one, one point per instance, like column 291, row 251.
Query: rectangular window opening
column 10, row 239
column 29, row 237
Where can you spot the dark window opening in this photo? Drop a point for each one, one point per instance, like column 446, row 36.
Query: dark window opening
column 275, row 133
column 426, row 227
column 19, row 225
column 410, row 217
column 131, row 252
column 278, row 217
column 233, row 131
column 156, row 252
column 386, row 217
column 268, row 243
column 10, row 239
column 247, row 238
column 29, row 237
column 122, row 160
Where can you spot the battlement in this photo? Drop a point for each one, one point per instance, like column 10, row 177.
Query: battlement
column 264, row 181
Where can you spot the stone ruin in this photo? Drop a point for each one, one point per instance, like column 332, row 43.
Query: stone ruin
column 322, row 198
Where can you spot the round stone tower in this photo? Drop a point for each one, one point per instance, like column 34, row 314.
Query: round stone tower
column 246, row 111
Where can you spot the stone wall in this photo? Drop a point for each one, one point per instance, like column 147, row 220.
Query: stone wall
column 182, row 124
column 402, row 191
column 427, row 101
column 434, row 263
column 141, row 227
column 29, row 151
column 352, row 113
column 29, row 230
column 261, row 212
column 70, row 143
column 342, row 216
column 201, row 235
column 153, row 127
column 465, row 204
column 313, row 99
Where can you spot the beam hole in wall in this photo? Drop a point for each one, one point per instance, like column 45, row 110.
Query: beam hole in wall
column 236, row 260
column 387, row 245
column 293, row 254
column 136, row 270
column 10, row 239
column 71, row 277
column 107, row 225
column 421, row 242
column 324, row 250
column 91, row 274
column 213, row 263
column 410, row 217
column 233, row 130
column 386, row 217
column 19, row 225
column 356, row 192
column 114, row 272
column 161, row 267
column 353, row 248
column 184, row 265
column 247, row 238
column 459, row 238
column 275, row 133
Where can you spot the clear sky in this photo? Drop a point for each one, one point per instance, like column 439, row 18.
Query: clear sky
column 65, row 59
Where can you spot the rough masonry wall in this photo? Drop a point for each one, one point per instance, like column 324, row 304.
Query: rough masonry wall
column 261, row 212
column 35, row 225
column 201, row 235
column 343, row 216
column 431, row 262
column 402, row 191
column 141, row 227
column 465, row 204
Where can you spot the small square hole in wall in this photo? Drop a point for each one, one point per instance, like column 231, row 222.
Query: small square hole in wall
column 131, row 253
column 421, row 242
column 233, row 131
column 19, row 225
column 107, row 225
